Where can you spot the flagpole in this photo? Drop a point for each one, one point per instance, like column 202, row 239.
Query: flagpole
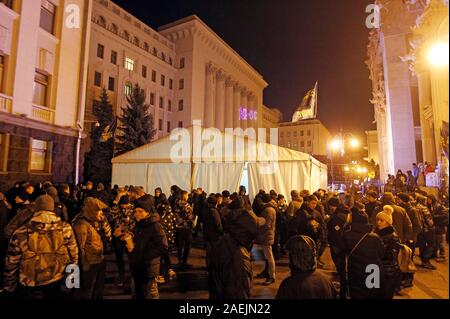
column 317, row 97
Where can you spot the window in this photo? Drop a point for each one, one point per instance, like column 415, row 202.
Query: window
column 288, row 134
column 170, row 84
column 136, row 41
column 129, row 64
column 182, row 63
column 111, row 84
column 180, row 105
column 146, row 47
column 98, row 79
column 170, row 61
column 128, row 89
column 126, row 35
column 302, row 133
column 180, row 124
column 168, row 127
column 181, row 84
column 101, row 21
column 47, row 19
column 153, row 75
column 169, row 105
column 2, row 63
column 161, row 102
column 163, row 80
column 282, row 134
column 308, row 133
column 160, row 124
column 295, row 133
column 100, row 51
column 144, row 71
column 152, row 98
column 40, row 155
column 155, row 52
column 302, row 144
column 163, row 56
column 40, row 89
column 295, row 146
column 309, row 143
column 114, row 57
column 289, row 144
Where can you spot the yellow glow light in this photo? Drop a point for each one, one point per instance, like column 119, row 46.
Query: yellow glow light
column 354, row 143
column 335, row 145
column 438, row 54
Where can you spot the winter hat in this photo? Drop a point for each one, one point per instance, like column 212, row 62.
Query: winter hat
column 242, row 189
column 51, row 191
column 266, row 198
column 44, row 202
column 211, row 200
column 225, row 194
column 124, row 200
column 304, row 193
column 403, row 197
column 302, row 253
column 386, row 214
column 421, row 199
column 388, row 198
column 237, row 203
column 334, row 202
column 91, row 207
column 100, row 187
column 295, row 194
column 273, row 193
column 145, row 202
column 359, row 217
column 372, row 194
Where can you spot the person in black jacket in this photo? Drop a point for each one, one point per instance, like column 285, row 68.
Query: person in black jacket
column 243, row 194
column 336, row 224
column 372, row 204
column 362, row 248
column 440, row 218
column 392, row 274
column 146, row 248
column 185, row 225
column 160, row 197
column 258, row 204
column 305, row 281
column 213, row 229
column 68, row 201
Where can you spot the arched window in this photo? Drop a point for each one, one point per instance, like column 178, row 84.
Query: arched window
column 163, row 56
column 126, row 35
column 136, row 41
column 101, row 21
column 146, row 46
column 114, row 29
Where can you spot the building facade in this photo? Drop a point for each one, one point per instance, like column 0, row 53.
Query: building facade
column 271, row 117
column 308, row 136
column 410, row 96
column 42, row 88
column 187, row 71
column 372, row 146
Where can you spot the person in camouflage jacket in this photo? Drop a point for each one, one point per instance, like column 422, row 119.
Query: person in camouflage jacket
column 45, row 238
column 184, row 226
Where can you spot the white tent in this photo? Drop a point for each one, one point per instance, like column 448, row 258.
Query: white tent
column 197, row 157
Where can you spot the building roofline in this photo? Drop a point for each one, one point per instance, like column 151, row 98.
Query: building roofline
column 196, row 18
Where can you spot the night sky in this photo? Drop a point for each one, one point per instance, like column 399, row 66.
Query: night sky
column 292, row 43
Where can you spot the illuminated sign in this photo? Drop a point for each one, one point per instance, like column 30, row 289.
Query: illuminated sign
column 245, row 114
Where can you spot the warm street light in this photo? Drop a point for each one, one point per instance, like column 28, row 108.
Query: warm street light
column 438, row 54
column 354, row 143
column 335, row 145
column 358, row 169
column 346, row 168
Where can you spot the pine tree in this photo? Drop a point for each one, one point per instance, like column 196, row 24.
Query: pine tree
column 97, row 163
column 136, row 123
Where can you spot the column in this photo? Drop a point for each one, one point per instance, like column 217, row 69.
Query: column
column 209, row 96
column 252, row 109
column 236, row 105
column 229, row 107
column 428, row 145
column 244, row 105
column 220, row 100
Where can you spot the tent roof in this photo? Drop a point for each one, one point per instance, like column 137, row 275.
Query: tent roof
column 177, row 148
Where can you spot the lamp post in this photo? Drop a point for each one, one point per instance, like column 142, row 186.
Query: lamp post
column 77, row 156
column 339, row 143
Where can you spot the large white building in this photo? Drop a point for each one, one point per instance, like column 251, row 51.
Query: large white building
column 42, row 88
column 187, row 71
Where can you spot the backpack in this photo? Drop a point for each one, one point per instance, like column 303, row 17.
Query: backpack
column 405, row 261
column 47, row 256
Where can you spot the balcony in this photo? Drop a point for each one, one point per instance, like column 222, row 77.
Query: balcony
column 42, row 113
column 5, row 103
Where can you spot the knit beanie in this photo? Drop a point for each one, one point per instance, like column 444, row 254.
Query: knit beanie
column 51, row 191
column 145, row 202
column 386, row 214
column 44, row 202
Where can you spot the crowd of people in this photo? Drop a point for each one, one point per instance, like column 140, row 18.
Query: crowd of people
column 44, row 228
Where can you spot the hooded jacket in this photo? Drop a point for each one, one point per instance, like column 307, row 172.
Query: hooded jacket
column 150, row 243
column 89, row 239
column 20, row 260
column 266, row 233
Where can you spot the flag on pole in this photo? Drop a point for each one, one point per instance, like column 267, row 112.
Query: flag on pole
column 109, row 130
column 308, row 107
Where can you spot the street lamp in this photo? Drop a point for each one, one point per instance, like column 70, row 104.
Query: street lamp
column 438, row 54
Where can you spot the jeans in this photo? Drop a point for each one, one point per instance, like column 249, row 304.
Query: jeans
column 119, row 251
column 184, row 239
column 51, row 291
column 268, row 255
column 339, row 262
column 145, row 287
column 426, row 244
column 92, row 282
column 440, row 245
